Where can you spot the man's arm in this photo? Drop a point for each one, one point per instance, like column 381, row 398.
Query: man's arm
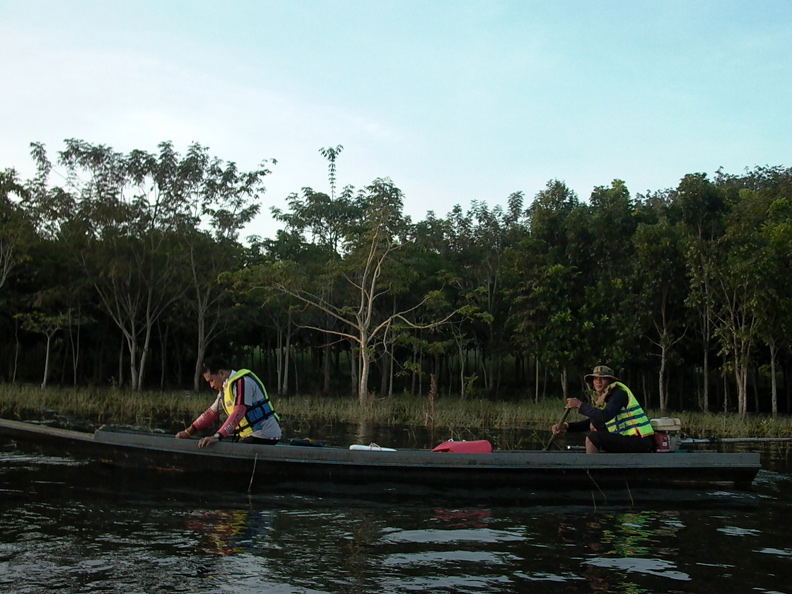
column 239, row 389
column 206, row 419
column 582, row 425
column 616, row 402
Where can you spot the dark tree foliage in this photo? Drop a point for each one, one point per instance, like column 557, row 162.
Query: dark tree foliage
column 129, row 269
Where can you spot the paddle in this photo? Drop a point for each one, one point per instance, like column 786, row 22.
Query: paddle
column 552, row 437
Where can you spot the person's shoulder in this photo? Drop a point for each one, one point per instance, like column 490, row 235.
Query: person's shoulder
column 618, row 392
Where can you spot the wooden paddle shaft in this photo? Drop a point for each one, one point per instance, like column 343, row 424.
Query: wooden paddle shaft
column 552, row 437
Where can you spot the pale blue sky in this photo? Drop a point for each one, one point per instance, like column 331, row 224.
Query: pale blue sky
column 454, row 100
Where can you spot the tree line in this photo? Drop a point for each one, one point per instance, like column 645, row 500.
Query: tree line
column 128, row 270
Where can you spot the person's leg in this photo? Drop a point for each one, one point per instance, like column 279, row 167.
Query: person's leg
column 590, row 447
column 619, row 444
column 259, row 441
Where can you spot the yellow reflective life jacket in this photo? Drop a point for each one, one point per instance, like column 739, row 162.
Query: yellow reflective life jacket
column 632, row 420
column 257, row 412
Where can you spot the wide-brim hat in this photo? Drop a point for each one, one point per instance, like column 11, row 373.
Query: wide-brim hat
column 601, row 371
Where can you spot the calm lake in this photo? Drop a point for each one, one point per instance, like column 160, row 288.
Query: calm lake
column 68, row 526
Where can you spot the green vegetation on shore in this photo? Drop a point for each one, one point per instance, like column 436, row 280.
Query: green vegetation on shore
column 176, row 409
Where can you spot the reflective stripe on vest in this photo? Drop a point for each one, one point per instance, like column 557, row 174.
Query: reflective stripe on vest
column 632, row 420
column 256, row 413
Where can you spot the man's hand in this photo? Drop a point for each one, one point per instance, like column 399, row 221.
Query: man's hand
column 573, row 403
column 207, row 441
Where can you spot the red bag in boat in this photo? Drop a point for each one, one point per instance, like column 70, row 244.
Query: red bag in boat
column 479, row 446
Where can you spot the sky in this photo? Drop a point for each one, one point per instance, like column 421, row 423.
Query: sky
column 455, row 101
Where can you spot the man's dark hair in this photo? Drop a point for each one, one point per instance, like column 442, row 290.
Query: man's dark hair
column 214, row 365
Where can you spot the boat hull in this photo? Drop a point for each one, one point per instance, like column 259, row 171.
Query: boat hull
column 400, row 471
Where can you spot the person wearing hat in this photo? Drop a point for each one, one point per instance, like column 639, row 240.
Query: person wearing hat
column 616, row 422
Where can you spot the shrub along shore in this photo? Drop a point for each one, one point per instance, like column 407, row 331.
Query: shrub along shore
column 169, row 410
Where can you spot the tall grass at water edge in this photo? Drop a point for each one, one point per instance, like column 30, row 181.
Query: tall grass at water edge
column 101, row 405
column 175, row 409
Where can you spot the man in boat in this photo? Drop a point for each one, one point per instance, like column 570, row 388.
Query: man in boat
column 243, row 398
column 616, row 422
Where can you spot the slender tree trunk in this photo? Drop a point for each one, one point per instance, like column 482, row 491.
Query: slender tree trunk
column 725, row 393
column 741, row 364
column 414, row 374
column 484, row 368
column 460, row 350
column 296, row 361
column 16, row 351
column 279, row 359
column 144, row 355
column 284, row 389
column 661, row 380
column 75, row 344
column 326, row 365
column 364, row 397
column 705, row 394
column 200, row 350
column 741, row 377
column 354, row 355
column 544, row 381
column 132, row 347
column 383, row 379
column 773, row 383
column 46, row 360
column 564, row 383
column 163, row 356
column 390, row 374
column 121, row 363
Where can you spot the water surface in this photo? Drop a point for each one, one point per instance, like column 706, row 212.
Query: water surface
column 72, row 527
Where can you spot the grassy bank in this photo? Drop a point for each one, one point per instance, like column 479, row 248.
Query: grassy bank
column 176, row 409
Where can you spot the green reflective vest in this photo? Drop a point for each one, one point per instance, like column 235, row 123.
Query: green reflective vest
column 257, row 412
column 632, row 420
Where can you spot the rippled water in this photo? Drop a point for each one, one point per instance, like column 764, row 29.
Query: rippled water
column 73, row 527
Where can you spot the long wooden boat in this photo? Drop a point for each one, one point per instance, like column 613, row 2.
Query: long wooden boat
column 517, row 473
